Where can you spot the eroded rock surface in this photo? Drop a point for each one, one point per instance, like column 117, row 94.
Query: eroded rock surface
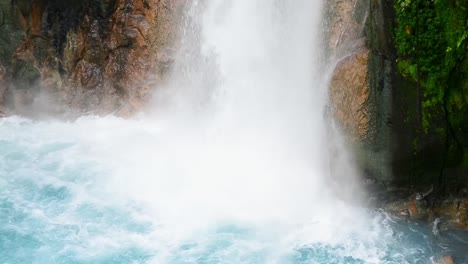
column 349, row 93
column 346, row 21
column 360, row 88
column 349, row 85
column 106, row 59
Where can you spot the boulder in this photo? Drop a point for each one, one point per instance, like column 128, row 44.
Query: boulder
column 446, row 260
column 349, row 93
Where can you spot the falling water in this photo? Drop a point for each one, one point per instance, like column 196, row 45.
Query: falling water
column 248, row 94
column 235, row 162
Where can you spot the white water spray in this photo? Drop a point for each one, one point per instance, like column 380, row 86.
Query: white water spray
column 244, row 110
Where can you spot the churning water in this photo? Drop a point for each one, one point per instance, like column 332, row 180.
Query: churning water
column 234, row 164
column 107, row 190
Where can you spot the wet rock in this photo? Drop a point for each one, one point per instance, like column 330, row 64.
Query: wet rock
column 25, row 79
column 441, row 213
column 88, row 74
column 3, row 88
column 349, row 93
column 23, row 100
column 101, row 62
column 446, row 260
column 25, row 74
column 454, row 211
column 349, row 86
column 361, row 84
column 413, row 206
column 345, row 24
column 2, row 76
column 408, row 208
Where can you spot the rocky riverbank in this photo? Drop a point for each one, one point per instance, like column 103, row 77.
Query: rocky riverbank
column 441, row 211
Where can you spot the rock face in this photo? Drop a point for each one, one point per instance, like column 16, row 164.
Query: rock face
column 2, row 88
column 115, row 66
column 375, row 107
column 349, row 85
column 345, row 24
column 104, row 58
column 361, row 84
column 452, row 211
column 349, row 93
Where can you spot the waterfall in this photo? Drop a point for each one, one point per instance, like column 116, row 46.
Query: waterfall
column 236, row 161
column 254, row 73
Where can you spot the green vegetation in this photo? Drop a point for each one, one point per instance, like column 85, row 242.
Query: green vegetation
column 431, row 39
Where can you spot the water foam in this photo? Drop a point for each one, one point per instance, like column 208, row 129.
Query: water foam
column 106, row 190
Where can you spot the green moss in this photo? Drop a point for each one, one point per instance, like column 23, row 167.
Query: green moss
column 465, row 160
column 431, row 41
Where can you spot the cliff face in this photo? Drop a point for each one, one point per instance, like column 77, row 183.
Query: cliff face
column 377, row 105
column 361, row 84
column 99, row 56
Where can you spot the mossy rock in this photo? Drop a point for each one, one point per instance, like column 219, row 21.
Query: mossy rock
column 25, row 75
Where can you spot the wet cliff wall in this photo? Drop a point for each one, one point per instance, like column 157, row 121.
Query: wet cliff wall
column 401, row 136
column 431, row 39
column 362, row 83
column 84, row 56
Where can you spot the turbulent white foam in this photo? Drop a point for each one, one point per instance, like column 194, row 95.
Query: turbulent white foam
column 110, row 190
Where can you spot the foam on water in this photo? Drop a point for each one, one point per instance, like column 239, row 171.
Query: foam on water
column 107, row 190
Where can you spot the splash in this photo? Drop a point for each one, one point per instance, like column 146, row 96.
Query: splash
column 107, row 190
column 245, row 107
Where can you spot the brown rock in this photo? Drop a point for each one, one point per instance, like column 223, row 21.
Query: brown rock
column 409, row 208
column 88, row 74
column 446, row 260
column 455, row 210
column 116, row 66
column 30, row 14
column 349, row 93
column 343, row 27
column 106, row 59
